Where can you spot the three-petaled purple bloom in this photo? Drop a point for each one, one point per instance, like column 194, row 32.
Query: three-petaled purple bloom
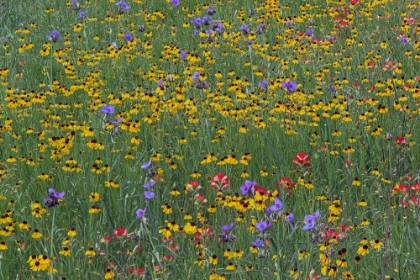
column 290, row 86
column 149, row 184
column 257, row 243
column 247, row 186
column 182, row 54
column 244, row 29
column 122, row 6
column 148, row 194
column 277, row 206
column 404, row 41
column 227, row 227
column 175, row 2
column 54, row 36
column 309, row 221
column 140, row 213
column 262, row 226
column 290, row 217
column 108, row 109
column 52, row 199
column 196, row 75
column 146, row 164
column 310, row 32
column 82, row 14
column 263, row 83
column 128, row 37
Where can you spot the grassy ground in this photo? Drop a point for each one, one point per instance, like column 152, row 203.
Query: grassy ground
column 220, row 140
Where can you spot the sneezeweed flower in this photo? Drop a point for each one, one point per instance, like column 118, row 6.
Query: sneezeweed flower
column 309, row 221
column 290, row 86
column 52, row 199
column 175, row 2
column 140, row 213
column 109, row 274
column 54, row 36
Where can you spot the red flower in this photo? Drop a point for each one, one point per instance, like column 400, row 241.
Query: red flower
column 259, row 189
column 302, row 159
column 286, row 183
column 120, row 232
column 136, row 271
column 400, row 141
column 220, row 181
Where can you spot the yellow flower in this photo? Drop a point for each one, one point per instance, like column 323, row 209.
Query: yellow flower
column 228, row 254
column 231, row 266
column 90, row 252
column 238, row 254
column 65, row 252
column 376, row 244
column 71, row 232
column 167, row 209
column 363, row 250
column 190, row 228
column 174, row 192
column 166, row 232
column 109, row 274
column 213, row 259
column 94, row 197
column 36, row 234
column 342, row 262
column 3, row 245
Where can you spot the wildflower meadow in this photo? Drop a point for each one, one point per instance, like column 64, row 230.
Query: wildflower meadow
column 174, row 139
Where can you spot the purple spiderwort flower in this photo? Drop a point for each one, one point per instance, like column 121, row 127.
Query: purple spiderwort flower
column 160, row 83
column 290, row 86
column 52, row 199
column 211, row 11
column 310, row 32
column 196, row 75
column 149, row 184
column 309, row 221
column 332, row 89
column 263, row 83
column 149, row 194
column 175, row 2
column 182, row 54
column 257, row 243
column 140, row 213
column 206, row 20
column 114, row 44
column 122, row 6
column 108, row 109
column 82, row 14
column 290, row 217
column 115, row 122
column 262, row 226
column 247, row 186
column 227, row 227
column 146, row 164
column 249, row 42
column 404, row 41
column 54, row 36
column 277, row 206
column 128, row 37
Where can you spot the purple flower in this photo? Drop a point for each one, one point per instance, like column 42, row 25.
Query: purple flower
column 277, row 206
column 82, row 14
column 331, row 39
column 114, row 44
column 261, row 28
column 54, row 36
column 310, row 32
column 108, row 109
column 122, row 6
column 128, row 37
column 55, row 194
column 257, row 243
column 263, row 83
column 149, row 184
column 290, row 86
column 309, row 221
column 175, row 2
column 404, row 41
column 228, row 227
column 247, row 186
column 146, row 164
column 196, row 22
column 148, row 195
column 160, row 83
column 140, row 213
column 52, row 199
column 290, row 217
column 332, row 89
column 249, row 42
column 115, row 122
column 182, row 54
column 263, row 225
column 244, row 29
column 196, row 75
column 206, row 20
column 211, row 11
